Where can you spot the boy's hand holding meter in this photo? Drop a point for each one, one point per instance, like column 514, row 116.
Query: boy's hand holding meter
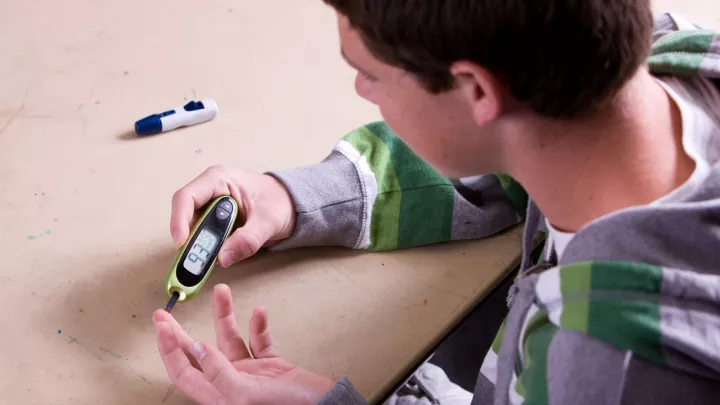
column 264, row 205
column 196, row 259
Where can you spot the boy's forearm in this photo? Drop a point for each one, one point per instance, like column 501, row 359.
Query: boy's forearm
column 373, row 193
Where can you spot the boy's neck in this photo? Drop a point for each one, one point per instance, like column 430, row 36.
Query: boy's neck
column 629, row 154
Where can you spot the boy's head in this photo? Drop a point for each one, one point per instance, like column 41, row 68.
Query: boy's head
column 449, row 75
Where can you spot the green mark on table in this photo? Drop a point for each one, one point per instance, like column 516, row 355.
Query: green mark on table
column 33, row 237
column 76, row 341
column 144, row 379
column 110, row 352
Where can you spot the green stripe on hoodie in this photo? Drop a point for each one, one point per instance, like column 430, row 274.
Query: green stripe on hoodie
column 602, row 298
column 386, row 211
column 414, row 205
column 625, row 297
column 533, row 380
column 681, row 53
column 575, row 281
column 515, row 192
column 426, row 202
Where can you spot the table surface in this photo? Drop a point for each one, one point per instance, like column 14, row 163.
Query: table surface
column 84, row 205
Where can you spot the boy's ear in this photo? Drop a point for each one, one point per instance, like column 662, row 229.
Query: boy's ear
column 481, row 88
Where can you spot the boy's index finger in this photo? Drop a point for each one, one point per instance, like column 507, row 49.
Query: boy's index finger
column 182, row 337
column 181, row 372
column 187, row 200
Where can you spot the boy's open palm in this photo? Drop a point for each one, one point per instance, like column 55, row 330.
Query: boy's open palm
column 232, row 374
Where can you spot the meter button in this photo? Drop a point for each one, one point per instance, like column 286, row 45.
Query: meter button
column 226, row 206
column 221, row 214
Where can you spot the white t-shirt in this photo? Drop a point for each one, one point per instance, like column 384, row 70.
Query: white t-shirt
column 699, row 103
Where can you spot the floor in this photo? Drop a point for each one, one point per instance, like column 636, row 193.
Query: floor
column 462, row 354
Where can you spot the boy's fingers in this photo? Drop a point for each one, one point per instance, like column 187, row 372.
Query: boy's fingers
column 161, row 315
column 187, row 378
column 217, row 369
column 183, row 338
column 184, row 204
column 226, row 330
column 213, row 182
column 261, row 343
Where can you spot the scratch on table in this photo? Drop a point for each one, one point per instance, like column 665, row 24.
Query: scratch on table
column 110, row 352
column 424, row 304
column 12, row 118
column 33, row 237
column 79, row 343
column 338, row 271
column 454, row 311
column 142, row 377
column 40, row 116
column 330, row 368
column 465, row 297
column 169, row 393
column 106, row 391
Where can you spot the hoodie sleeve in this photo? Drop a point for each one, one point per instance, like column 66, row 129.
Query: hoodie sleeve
column 373, row 193
column 343, row 394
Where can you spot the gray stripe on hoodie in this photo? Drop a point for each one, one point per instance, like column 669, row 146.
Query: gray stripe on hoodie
column 576, row 361
column 711, row 61
column 477, row 219
column 690, row 323
column 649, row 384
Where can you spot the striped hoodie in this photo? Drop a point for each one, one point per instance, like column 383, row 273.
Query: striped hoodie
column 629, row 314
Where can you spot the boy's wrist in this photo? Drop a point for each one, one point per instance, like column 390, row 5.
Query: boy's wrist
column 286, row 206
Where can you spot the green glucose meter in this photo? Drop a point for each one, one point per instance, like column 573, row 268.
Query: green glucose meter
column 196, row 259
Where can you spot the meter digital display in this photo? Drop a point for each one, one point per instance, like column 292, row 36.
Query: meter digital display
column 200, row 252
column 196, row 259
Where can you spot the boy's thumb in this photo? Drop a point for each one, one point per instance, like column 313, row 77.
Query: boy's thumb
column 244, row 242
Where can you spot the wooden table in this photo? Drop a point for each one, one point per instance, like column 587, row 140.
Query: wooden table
column 84, row 205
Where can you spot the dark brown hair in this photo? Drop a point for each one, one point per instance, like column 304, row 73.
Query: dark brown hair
column 563, row 58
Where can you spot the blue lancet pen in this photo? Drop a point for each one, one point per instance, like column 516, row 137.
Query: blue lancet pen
column 194, row 112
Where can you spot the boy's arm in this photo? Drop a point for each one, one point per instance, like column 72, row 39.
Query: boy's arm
column 372, row 192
